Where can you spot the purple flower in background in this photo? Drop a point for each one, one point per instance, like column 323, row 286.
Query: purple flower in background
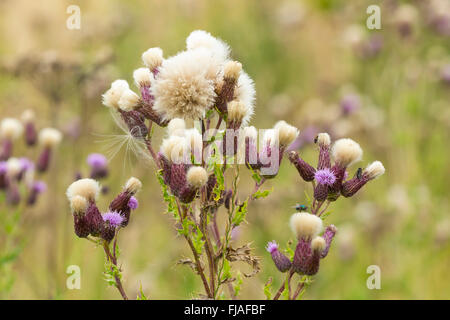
column 3, row 167
column 133, row 203
column 350, row 103
column 114, row 218
column 325, row 177
column 39, row 186
column 98, row 164
column 445, row 74
column 26, row 164
column 97, row 160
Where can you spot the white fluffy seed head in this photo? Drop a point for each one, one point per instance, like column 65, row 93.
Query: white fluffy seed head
column 78, row 204
column 194, row 140
column 111, row 97
column 346, row 152
column 236, row 111
column 185, row 86
column 10, row 128
column 174, row 148
column 305, row 225
column 245, row 92
column 142, row 77
column 86, row 188
column 286, row 133
column 374, row 170
column 232, row 70
column 27, row 116
column 133, row 185
column 197, row 177
column 250, row 132
column 50, row 137
column 176, row 127
column 318, row 244
column 153, row 58
column 129, row 100
column 202, row 39
column 323, row 139
column 13, row 167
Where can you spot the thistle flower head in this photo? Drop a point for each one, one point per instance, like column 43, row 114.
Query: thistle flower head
column 237, row 110
column 3, row 167
column 129, row 100
column 113, row 218
column 153, row 58
column 194, row 141
column 271, row 246
column 133, row 203
column 97, row 160
column 197, row 177
column 174, row 148
column 142, row 77
column 346, row 152
column 318, row 244
column 13, row 167
column 374, row 170
column 27, row 116
column 325, row 177
column 111, row 97
column 50, row 137
column 250, row 132
column 323, row 139
column 78, row 204
column 10, row 128
column 286, row 133
column 26, row 164
column 305, row 225
column 245, row 92
column 86, row 188
column 185, row 85
column 133, row 185
column 202, row 39
column 176, row 126
column 232, row 70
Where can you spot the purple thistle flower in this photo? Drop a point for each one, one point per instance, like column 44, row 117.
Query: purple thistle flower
column 271, row 246
column 133, row 203
column 325, row 177
column 39, row 186
column 26, row 164
column 3, row 167
column 97, row 160
column 114, row 218
column 350, row 103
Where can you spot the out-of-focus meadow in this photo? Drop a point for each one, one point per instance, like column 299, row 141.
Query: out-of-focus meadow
column 310, row 60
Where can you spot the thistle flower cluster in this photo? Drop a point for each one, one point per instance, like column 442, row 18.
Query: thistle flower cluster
column 331, row 180
column 88, row 220
column 310, row 248
column 15, row 171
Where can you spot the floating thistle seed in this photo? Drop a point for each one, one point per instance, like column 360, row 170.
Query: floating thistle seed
column 112, row 221
column 372, row 171
column 36, row 189
column 31, row 134
column 153, row 58
column 306, row 171
column 10, row 130
column 49, row 138
column 135, row 122
column 324, row 141
column 282, row 262
column 98, row 164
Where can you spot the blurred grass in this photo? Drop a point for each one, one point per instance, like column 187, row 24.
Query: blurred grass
column 304, row 61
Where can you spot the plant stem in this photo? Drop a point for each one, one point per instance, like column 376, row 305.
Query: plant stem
column 113, row 260
column 283, row 285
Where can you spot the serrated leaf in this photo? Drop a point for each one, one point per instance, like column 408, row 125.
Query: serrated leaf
column 241, row 213
column 262, row 194
column 268, row 289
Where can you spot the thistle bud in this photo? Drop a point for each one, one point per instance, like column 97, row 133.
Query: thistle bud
column 324, row 141
column 120, row 203
column 36, row 189
column 305, row 225
column 79, row 206
column 49, row 138
column 3, row 178
column 111, row 97
column 98, row 164
column 112, row 221
column 135, row 122
column 94, row 219
column 282, row 262
column 328, row 235
column 325, row 178
column 129, row 100
column 286, row 133
column 10, row 130
column 372, row 171
column 31, row 135
column 306, row 171
column 153, row 58
column 86, row 188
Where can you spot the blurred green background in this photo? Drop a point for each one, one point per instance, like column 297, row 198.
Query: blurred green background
column 305, row 57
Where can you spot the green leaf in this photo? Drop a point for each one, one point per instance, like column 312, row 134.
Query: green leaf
column 256, row 176
column 238, row 283
column 220, row 185
column 198, row 241
column 141, row 295
column 268, row 289
column 241, row 213
column 168, row 198
column 226, row 271
column 262, row 194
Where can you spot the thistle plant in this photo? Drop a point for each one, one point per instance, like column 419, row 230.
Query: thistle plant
column 203, row 101
column 20, row 181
